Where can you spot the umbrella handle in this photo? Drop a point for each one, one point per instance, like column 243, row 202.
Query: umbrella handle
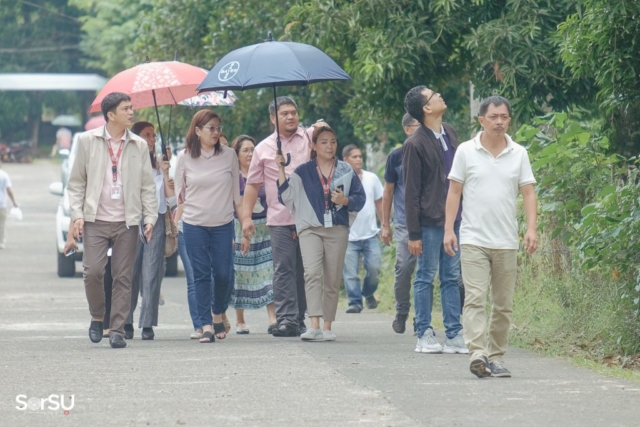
column 288, row 161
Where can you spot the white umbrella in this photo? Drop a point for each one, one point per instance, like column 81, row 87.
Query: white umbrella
column 66, row 120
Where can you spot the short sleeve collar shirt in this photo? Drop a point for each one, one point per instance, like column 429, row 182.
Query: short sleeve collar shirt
column 490, row 189
column 263, row 170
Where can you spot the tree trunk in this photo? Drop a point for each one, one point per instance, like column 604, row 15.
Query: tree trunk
column 34, row 117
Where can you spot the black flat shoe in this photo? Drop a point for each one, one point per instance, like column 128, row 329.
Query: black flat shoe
column 116, row 341
column 128, row 331
column 271, row 327
column 147, row 334
column 286, row 331
column 95, row 331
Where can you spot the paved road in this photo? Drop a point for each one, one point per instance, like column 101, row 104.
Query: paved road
column 368, row 377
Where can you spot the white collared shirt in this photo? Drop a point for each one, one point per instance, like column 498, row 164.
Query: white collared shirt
column 490, row 191
column 440, row 137
column 112, row 210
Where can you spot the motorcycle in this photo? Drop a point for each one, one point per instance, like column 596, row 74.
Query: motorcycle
column 17, row 152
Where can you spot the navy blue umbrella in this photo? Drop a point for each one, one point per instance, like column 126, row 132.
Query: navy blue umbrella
column 272, row 64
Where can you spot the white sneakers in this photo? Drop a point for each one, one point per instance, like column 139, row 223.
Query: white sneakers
column 312, row 335
column 329, row 335
column 455, row 345
column 318, row 335
column 429, row 344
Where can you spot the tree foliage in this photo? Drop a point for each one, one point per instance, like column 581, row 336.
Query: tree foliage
column 505, row 47
column 201, row 32
column 589, row 200
column 41, row 37
column 515, row 54
column 387, row 48
column 601, row 41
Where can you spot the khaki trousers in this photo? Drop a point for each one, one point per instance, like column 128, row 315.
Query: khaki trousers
column 323, row 251
column 484, row 268
column 97, row 237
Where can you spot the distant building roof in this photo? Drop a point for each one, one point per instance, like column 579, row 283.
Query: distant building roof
column 44, row 82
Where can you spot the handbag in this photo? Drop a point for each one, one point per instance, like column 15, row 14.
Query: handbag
column 171, row 234
column 15, row 214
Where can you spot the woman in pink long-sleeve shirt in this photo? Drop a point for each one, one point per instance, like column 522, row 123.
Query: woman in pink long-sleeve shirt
column 207, row 185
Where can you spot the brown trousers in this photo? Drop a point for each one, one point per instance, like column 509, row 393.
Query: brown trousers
column 97, row 237
column 323, row 251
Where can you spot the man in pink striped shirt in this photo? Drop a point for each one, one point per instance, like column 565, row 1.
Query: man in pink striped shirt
column 288, row 279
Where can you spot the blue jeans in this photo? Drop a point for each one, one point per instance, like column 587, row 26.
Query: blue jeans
column 435, row 260
column 370, row 249
column 210, row 252
column 188, row 271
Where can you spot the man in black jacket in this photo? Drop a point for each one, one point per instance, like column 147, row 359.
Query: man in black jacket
column 427, row 159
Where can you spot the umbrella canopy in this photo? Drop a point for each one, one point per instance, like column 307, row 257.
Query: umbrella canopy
column 94, row 122
column 171, row 81
column 66, row 120
column 272, row 63
column 208, row 99
column 152, row 84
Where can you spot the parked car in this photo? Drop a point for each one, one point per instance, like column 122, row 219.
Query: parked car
column 68, row 156
column 66, row 266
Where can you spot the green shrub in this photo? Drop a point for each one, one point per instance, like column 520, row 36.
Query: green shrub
column 589, row 209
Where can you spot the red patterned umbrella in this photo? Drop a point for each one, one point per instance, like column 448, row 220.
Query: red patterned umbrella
column 170, row 82
column 152, row 84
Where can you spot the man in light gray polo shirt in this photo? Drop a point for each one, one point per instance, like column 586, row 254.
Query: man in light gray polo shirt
column 489, row 171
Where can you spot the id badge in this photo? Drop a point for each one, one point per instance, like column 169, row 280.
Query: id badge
column 116, row 192
column 328, row 219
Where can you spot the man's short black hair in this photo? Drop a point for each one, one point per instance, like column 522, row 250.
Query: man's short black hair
column 346, row 151
column 407, row 120
column 110, row 103
column 495, row 100
column 282, row 100
column 414, row 100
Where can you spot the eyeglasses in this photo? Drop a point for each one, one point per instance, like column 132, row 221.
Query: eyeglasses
column 213, row 129
column 433, row 92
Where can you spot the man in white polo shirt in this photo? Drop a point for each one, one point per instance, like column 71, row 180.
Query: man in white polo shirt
column 489, row 171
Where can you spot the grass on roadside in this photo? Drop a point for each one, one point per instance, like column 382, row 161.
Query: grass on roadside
column 559, row 311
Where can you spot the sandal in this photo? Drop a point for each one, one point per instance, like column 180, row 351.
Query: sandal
column 220, row 330
column 208, row 336
column 147, row 334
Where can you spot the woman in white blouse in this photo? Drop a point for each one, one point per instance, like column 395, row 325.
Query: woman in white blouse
column 148, row 269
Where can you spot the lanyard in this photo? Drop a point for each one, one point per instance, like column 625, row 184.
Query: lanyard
column 114, row 160
column 326, row 184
